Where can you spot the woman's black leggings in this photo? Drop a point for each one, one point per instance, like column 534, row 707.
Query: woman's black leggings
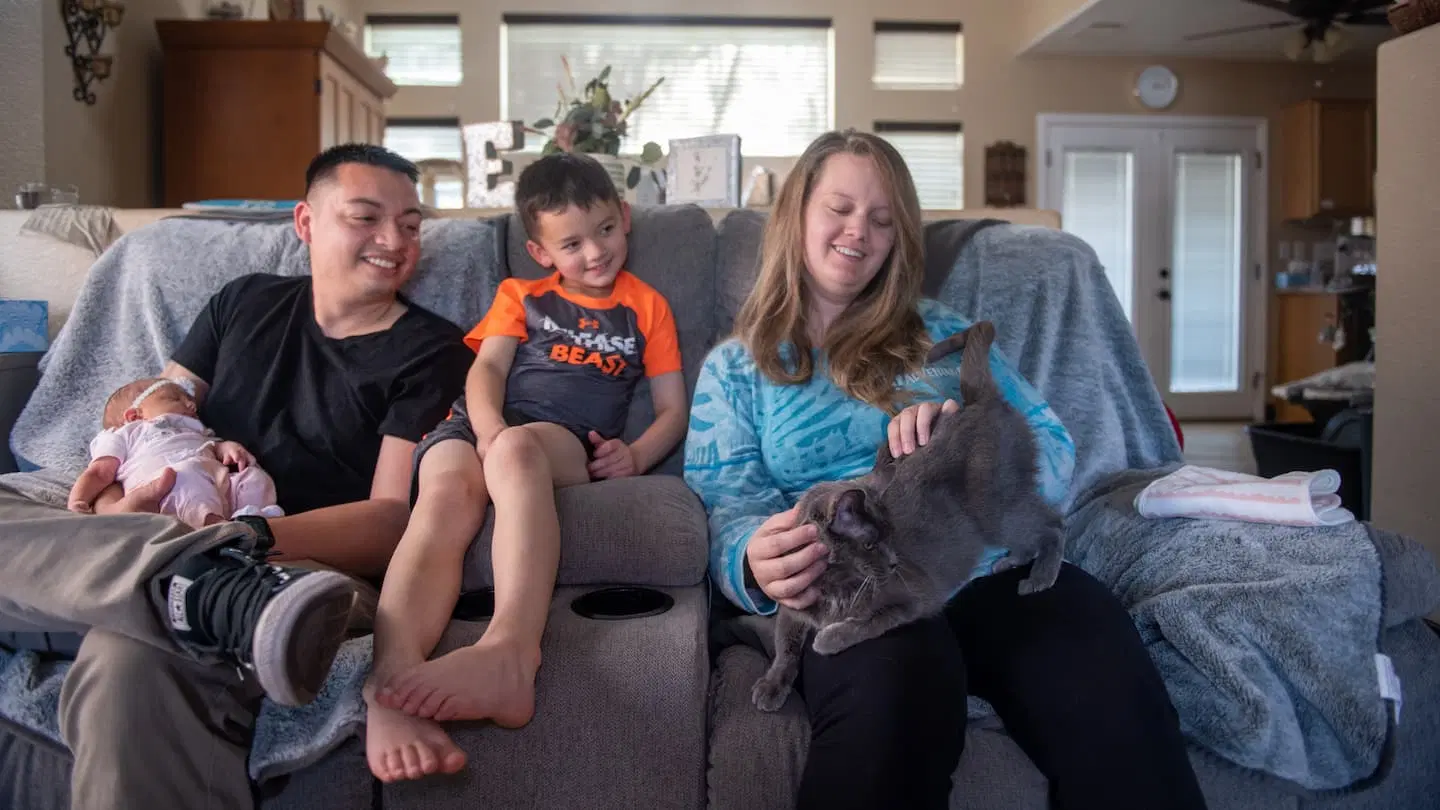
column 1065, row 670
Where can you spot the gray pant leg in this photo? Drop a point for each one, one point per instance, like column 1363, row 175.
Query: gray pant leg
column 66, row 571
column 152, row 729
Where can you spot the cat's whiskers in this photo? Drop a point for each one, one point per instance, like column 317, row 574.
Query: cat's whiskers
column 858, row 591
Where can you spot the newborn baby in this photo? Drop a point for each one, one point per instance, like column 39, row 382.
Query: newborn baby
column 149, row 425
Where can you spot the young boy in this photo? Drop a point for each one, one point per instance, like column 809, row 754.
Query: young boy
column 557, row 361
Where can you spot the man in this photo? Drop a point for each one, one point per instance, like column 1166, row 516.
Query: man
column 329, row 380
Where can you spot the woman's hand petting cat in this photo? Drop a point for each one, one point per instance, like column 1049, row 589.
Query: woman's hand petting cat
column 786, row 560
column 910, row 429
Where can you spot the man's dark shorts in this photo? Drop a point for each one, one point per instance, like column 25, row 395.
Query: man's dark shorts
column 457, row 426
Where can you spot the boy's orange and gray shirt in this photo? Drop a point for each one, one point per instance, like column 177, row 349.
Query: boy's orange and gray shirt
column 580, row 358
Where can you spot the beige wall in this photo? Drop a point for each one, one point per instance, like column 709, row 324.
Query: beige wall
column 1001, row 97
column 1407, row 389
column 22, row 94
column 1039, row 17
column 109, row 150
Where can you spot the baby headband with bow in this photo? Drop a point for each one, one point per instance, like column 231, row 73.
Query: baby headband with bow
column 183, row 383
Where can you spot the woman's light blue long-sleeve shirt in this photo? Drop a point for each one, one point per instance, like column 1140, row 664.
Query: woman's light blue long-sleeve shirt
column 754, row 446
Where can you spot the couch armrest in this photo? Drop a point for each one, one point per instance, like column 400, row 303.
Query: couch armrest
column 648, row 530
column 19, row 374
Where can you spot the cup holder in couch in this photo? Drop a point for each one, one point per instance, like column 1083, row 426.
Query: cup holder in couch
column 608, row 604
column 475, row 606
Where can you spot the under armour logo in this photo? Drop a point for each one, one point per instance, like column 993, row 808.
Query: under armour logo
column 589, row 323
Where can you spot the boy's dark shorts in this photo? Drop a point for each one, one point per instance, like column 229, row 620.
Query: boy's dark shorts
column 457, row 426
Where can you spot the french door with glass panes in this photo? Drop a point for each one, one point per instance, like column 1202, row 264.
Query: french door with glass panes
column 1175, row 208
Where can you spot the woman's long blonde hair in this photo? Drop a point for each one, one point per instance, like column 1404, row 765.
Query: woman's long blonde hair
column 880, row 335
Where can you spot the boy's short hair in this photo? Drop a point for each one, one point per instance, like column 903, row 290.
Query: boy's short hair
column 325, row 164
column 558, row 181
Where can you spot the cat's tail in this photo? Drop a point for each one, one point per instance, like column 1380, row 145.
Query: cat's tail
column 976, row 380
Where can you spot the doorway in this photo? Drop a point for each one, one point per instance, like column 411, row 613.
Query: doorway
column 1175, row 208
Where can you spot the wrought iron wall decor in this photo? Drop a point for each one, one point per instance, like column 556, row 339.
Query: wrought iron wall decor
column 86, row 23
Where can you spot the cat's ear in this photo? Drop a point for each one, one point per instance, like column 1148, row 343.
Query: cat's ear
column 884, row 468
column 853, row 518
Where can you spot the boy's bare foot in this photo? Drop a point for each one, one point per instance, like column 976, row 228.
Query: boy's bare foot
column 399, row 746
column 488, row 680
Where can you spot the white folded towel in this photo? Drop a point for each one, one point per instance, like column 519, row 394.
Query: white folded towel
column 1292, row 499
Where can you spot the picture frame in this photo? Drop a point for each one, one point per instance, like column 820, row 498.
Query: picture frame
column 704, row 171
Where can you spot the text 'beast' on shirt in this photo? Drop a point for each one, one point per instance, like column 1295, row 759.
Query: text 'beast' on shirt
column 313, row 409
column 580, row 358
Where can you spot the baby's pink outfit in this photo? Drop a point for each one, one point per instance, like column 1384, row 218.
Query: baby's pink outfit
column 203, row 485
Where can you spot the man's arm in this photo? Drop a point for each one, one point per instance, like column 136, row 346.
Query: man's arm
column 672, row 414
column 485, row 386
column 357, row 538
column 175, row 371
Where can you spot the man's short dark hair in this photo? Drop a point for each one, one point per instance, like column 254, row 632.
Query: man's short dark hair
column 558, row 181
column 325, row 164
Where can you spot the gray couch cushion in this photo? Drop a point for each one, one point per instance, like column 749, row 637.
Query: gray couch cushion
column 461, row 264
column 619, row 723
column 341, row 779
column 648, row 530
column 737, row 264
column 672, row 248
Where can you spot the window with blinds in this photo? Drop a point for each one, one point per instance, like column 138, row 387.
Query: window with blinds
column 935, row 153
column 424, row 138
column 919, row 56
column 422, row 49
column 429, row 139
column 767, row 80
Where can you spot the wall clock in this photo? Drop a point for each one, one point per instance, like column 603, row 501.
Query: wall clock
column 1157, row 87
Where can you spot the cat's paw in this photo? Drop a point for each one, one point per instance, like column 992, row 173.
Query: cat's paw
column 769, row 694
column 834, row 638
column 1009, row 561
column 1033, row 584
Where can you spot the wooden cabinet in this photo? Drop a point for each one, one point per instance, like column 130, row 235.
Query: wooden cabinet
column 248, row 104
column 1301, row 316
column 1326, row 155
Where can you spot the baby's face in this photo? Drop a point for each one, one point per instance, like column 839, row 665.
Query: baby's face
column 167, row 400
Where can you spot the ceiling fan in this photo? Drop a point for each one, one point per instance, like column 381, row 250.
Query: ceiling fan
column 1318, row 24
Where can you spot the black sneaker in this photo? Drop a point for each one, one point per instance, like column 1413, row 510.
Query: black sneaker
column 283, row 624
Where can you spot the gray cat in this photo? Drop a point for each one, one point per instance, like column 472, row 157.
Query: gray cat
column 904, row 537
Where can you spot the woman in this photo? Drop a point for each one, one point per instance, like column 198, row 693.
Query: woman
column 827, row 348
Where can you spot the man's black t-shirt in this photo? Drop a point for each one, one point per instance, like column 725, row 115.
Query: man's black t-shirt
column 313, row 409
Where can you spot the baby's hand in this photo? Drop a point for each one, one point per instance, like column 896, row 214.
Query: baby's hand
column 234, row 454
column 613, row 458
column 81, row 507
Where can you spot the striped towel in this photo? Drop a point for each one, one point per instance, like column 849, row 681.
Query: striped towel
column 1292, row 499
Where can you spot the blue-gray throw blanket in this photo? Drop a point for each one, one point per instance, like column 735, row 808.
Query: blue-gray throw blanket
column 286, row 739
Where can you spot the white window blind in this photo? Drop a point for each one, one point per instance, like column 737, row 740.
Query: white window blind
column 919, row 56
column 1098, row 205
column 429, row 139
column 423, row 50
column 424, row 139
column 935, row 154
column 766, row 80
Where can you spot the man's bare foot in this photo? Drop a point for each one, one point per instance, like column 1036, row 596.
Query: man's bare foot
column 399, row 746
column 485, row 681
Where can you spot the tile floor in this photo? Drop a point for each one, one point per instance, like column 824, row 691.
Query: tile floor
column 1221, row 445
